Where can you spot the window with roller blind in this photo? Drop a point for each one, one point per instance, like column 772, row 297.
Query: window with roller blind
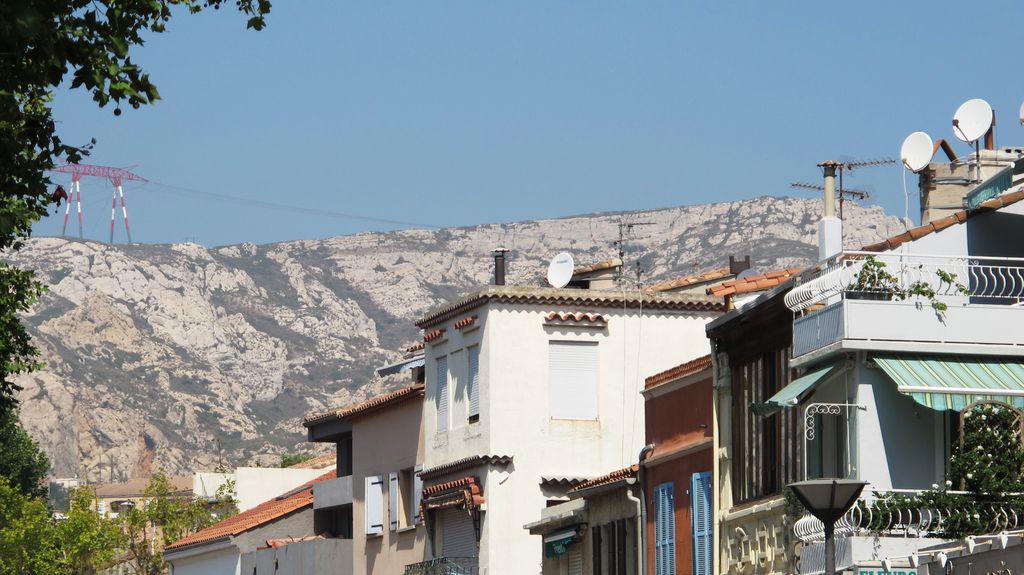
column 473, row 384
column 441, row 399
column 572, row 379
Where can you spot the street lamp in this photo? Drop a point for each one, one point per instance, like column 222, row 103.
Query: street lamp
column 828, row 500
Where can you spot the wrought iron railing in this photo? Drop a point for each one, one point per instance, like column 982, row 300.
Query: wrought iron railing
column 875, row 517
column 445, row 566
column 987, row 279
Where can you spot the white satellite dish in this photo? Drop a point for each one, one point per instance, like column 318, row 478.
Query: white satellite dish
column 1022, row 114
column 916, row 151
column 560, row 270
column 972, row 119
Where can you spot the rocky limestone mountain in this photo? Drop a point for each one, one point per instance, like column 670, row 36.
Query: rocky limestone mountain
column 181, row 356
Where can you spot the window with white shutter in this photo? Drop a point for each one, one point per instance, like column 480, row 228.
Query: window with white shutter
column 394, row 505
column 374, row 505
column 441, row 399
column 664, row 530
column 572, row 379
column 417, row 492
column 473, row 381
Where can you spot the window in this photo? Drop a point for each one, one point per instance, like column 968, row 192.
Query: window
column 374, row 505
column 473, row 381
column 702, row 522
column 441, row 399
column 572, row 377
column 664, row 530
column 404, row 488
column 614, row 547
column 766, row 451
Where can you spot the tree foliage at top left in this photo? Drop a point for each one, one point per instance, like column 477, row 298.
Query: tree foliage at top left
column 44, row 43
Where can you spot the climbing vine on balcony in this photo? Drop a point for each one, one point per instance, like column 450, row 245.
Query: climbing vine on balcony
column 987, row 463
column 873, row 279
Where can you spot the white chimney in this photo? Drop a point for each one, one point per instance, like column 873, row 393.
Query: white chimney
column 830, row 228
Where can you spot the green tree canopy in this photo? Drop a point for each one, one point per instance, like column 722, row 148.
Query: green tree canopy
column 22, row 463
column 44, row 43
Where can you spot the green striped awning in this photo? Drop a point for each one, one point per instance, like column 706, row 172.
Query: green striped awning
column 944, row 382
column 797, row 389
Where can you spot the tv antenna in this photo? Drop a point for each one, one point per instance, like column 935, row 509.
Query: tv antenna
column 843, row 167
column 842, row 193
column 117, row 177
column 626, row 232
column 560, row 270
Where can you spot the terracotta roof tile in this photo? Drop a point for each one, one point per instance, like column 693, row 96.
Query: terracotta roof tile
column 318, row 462
column 464, row 493
column 465, row 322
column 464, row 463
column 372, row 404
column 262, row 514
column 601, row 265
column 432, row 335
column 996, row 203
column 577, row 316
column 681, row 370
column 753, row 283
column 612, row 477
column 703, row 277
column 570, row 297
column 418, row 346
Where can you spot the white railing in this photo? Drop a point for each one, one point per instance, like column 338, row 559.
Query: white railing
column 867, row 518
column 996, row 280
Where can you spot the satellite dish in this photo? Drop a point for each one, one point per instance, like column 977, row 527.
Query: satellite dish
column 1022, row 114
column 560, row 270
column 916, row 151
column 972, row 119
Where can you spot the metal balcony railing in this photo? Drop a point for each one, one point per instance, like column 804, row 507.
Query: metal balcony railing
column 870, row 518
column 994, row 280
column 445, row 566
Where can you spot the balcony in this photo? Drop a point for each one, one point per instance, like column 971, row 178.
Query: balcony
column 445, row 566
column 333, row 492
column 908, row 302
column 872, row 532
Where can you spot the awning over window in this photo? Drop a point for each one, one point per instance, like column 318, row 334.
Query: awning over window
column 558, row 543
column 954, row 382
column 799, row 388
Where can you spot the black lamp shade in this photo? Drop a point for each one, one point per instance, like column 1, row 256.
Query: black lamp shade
column 828, row 499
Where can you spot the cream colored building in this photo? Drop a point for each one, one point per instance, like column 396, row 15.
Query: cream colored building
column 529, row 391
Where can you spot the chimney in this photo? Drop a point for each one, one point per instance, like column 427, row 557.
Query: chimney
column 499, row 266
column 830, row 228
column 736, row 266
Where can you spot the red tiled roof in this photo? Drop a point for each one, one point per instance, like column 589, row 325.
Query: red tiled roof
column 519, row 295
column 465, row 463
column 681, row 370
column 940, row 224
column 612, row 477
column 464, row 493
column 318, row 462
column 596, row 267
column 262, row 514
column 372, row 404
column 703, row 277
column 418, row 346
column 465, row 322
column 752, row 283
column 578, row 316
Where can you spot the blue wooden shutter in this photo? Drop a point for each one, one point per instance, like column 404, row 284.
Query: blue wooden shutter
column 474, row 381
column 664, row 530
column 442, row 394
column 701, row 517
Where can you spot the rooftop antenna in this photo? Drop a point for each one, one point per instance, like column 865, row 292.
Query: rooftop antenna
column 560, row 270
column 626, row 230
column 972, row 120
column 843, row 193
column 117, row 177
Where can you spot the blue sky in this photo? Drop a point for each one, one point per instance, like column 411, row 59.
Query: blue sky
column 463, row 112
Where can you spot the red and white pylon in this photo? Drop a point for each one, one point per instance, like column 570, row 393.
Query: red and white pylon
column 117, row 176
